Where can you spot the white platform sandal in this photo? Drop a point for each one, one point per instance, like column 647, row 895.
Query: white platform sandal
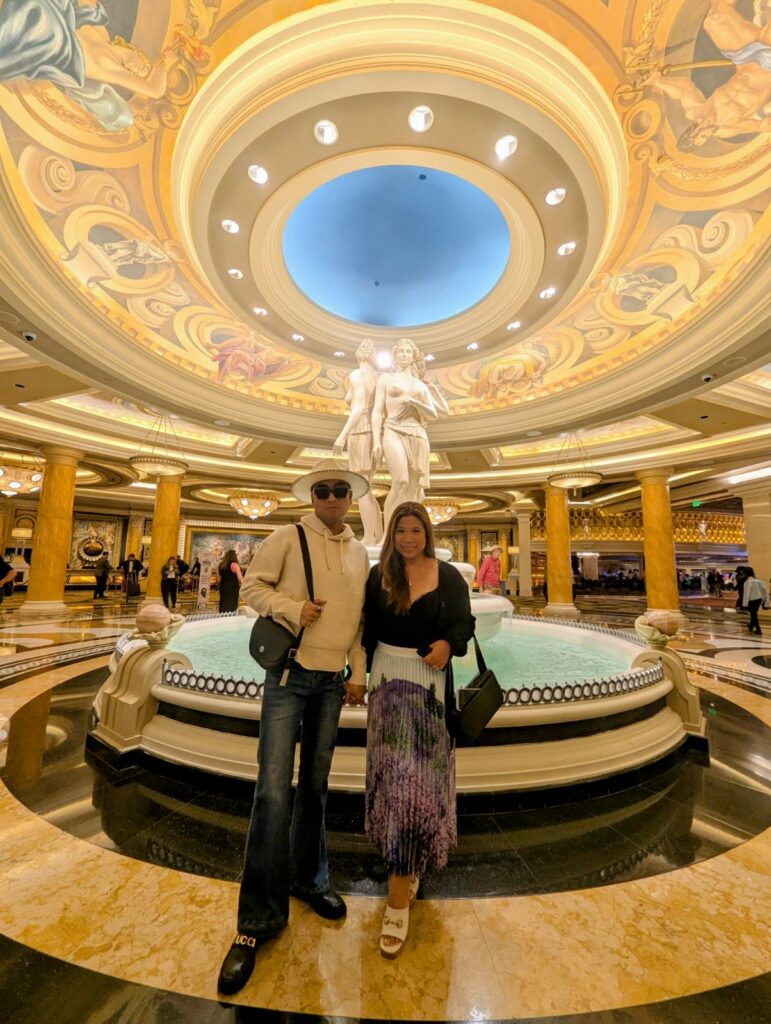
column 395, row 926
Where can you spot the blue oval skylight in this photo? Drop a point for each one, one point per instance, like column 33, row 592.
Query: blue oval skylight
column 396, row 246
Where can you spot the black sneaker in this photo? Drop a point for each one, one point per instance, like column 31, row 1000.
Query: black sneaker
column 329, row 905
column 238, row 965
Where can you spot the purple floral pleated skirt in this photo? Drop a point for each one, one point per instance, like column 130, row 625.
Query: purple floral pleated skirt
column 411, row 815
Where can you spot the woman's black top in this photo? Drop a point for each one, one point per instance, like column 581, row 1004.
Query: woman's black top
column 441, row 614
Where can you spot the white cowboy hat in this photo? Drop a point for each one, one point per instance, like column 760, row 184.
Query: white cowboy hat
column 328, row 469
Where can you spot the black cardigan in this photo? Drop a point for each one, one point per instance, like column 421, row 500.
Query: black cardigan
column 456, row 623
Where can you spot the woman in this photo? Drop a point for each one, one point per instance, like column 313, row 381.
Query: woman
column 231, row 578
column 755, row 597
column 170, row 582
column 417, row 616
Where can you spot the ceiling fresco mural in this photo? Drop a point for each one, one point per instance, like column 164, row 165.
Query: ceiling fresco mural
column 93, row 96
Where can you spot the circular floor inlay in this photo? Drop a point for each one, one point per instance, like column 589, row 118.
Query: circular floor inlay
column 396, row 246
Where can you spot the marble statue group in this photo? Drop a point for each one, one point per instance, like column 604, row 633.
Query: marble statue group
column 387, row 422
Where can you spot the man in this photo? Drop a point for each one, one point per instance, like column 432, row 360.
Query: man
column 131, row 567
column 489, row 576
column 101, row 572
column 7, row 575
column 288, row 853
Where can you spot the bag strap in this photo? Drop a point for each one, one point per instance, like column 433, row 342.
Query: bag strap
column 480, row 657
column 292, row 653
column 306, row 560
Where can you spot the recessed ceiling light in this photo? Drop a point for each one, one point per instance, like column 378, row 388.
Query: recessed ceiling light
column 222, row 423
column 566, row 249
column 513, row 326
column 258, row 174
column 555, row 197
column 421, row 118
column 231, row 226
column 260, row 311
column 298, row 337
column 429, row 358
column 339, row 355
column 383, row 360
column 235, row 273
column 548, row 293
column 534, row 433
column 326, row 132
column 506, row 146
column 472, row 346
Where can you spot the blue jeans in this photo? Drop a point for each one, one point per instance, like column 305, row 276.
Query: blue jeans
column 286, row 847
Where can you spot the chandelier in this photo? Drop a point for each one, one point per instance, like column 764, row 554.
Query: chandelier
column 22, row 477
column 573, row 467
column 254, row 504
column 160, row 453
column 440, row 511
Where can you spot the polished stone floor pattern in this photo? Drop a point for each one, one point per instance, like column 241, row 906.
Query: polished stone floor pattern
column 570, row 931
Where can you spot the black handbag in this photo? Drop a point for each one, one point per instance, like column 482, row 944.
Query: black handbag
column 273, row 646
column 477, row 703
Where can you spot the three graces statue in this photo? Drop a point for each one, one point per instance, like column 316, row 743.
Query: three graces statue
column 387, row 421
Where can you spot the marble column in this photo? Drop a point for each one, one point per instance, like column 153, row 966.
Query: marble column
column 53, row 533
column 504, row 539
column 165, row 532
column 134, row 534
column 5, row 526
column 658, row 541
column 525, row 555
column 474, row 555
column 559, row 573
column 756, row 502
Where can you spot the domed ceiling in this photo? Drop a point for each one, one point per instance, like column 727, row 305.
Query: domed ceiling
column 178, row 224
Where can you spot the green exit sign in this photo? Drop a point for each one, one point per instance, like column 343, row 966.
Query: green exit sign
column 695, row 504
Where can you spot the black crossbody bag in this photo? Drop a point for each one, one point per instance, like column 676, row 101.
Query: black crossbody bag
column 478, row 701
column 272, row 645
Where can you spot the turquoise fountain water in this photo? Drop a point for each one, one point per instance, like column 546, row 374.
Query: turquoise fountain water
column 521, row 654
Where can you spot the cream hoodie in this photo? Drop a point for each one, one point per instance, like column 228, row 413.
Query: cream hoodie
column 274, row 585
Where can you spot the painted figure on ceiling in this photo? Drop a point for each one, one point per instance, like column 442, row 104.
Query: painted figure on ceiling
column 246, row 358
column 516, row 372
column 132, row 250
column 67, row 43
column 740, row 105
column 357, row 435
column 403, row 405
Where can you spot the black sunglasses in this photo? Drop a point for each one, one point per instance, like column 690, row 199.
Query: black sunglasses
column 323, row 491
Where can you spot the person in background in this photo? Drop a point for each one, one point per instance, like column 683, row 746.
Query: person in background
column 489, row 575
column 195, row 568
column 131, row 567
column 755, row 597
column 7, row 575
column 101, row 572
column 231, row 579
column 742, row 572
column 417, row 616
column 170, row 582
column 182, row 566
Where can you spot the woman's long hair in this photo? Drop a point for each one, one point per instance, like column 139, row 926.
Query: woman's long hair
column 393, row 575
column 227, row 561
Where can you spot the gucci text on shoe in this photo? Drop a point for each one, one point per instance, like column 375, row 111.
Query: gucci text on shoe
column 245, row 940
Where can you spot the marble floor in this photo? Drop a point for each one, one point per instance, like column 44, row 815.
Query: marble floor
column 647, row 905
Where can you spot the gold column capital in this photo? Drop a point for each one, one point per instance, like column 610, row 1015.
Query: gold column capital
column 655, row 475
column 59, row 455
column 549, row 489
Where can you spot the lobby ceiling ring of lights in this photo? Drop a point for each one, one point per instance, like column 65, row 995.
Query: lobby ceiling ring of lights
column 342, row 63
column 516, row 284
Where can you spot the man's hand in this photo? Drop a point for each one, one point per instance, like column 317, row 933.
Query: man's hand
column 439, row 654
column 354, row 695
column 311, row 612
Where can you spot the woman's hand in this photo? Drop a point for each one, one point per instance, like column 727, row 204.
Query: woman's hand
column 439, row 654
